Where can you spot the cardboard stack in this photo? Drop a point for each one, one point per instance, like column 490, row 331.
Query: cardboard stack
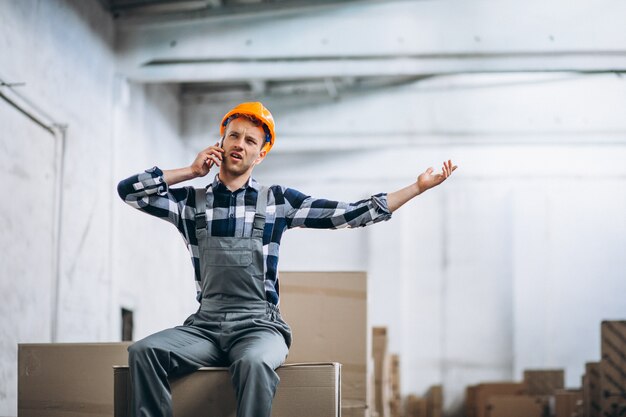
column 395, row 400
column 416, row 406
column 305, row 390
column 381, row 370
column 470, row 401
column 515, row 406
column 482, row 393
column 67, row 379
column 327, row 312
column 613, row 368
column 544, row 382
column 434, row 401
column 568, row 403
column 591, row 389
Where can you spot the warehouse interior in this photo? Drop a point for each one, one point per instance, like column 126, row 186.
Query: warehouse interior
column 510, row 264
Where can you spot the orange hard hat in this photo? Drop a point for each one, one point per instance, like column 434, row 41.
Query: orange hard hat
column 257, row 110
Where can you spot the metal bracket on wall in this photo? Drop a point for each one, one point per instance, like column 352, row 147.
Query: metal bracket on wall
column 58, row 131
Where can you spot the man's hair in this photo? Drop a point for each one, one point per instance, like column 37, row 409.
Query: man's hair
column 254, row 120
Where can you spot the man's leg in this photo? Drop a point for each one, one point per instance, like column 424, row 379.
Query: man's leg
column 167, row 353
column 254, row 358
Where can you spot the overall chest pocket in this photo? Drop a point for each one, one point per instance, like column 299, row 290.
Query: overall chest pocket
column 227, row 257
column 228, row 252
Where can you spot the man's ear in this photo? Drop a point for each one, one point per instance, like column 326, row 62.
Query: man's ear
column 261, row 157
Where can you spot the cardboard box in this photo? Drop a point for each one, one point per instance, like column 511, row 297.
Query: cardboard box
column 470, row 401
column 568, row 403
column 381, row 371
column 544, row 381
column 305, row 390
column 483, row 392
column 67, row 379
column 516, row 406
column 591, row 390
column 395, row 400
column 327, row 312
column 416, row 406
column 434, row 401
column 613, row 368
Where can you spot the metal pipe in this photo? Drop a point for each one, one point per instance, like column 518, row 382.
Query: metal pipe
column 58, row 131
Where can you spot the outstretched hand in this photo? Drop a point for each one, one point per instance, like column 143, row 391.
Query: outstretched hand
column 428, row 180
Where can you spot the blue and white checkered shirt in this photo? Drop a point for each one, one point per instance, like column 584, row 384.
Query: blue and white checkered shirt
column 232, row 214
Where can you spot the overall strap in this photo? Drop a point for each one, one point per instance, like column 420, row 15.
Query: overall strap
column 259, row 216
column 201, row 229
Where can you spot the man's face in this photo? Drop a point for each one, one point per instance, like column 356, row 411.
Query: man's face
column 242, row 147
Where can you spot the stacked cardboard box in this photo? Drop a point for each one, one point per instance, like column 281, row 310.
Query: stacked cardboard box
column 482, row 393
column 327, row 312
column 591, row 389
column 516, row 406
column 613, row 369
column 543, row 382
column 67, row 379
column 470, row 401
column 395, row 401
column 381, row 370
column 416, row 406
column 568, row 403
column 305, row 390
column 434, row 401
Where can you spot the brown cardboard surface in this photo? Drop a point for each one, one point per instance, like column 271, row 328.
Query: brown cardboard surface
column 305, row 390
column 612, row 400
column 67, row 379
column 591, row 389
column 516, row 406
column 470, row 401
column 395, row 400
column 484, row 391
column 613, row 368
column 415, row 406
column 381, row 371
column 568, row 403
column 327, row 312
column 434, row 401
column 544, row 381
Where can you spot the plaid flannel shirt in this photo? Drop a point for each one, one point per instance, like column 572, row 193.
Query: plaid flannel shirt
column 232, row 214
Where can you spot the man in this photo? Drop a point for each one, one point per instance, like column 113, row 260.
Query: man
column 233, row 229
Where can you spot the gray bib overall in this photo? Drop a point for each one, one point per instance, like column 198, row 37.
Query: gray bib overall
column 235, row 326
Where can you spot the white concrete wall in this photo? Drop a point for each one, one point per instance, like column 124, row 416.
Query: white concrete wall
column 110, row 254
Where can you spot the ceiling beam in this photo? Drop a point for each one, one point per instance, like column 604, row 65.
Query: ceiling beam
column 380, row 39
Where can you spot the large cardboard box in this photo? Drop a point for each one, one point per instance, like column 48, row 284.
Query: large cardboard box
column 327, row 312
column 591, row 390
column 483, row 392
column 416, row 406
column 470, row 401
column 434, row 401
column 568, row 403
column 305, row 390
column 613, row 368
column 516, row 406
column 67, row 379
column 382, row 366
column 395, row 400
column 544, row 381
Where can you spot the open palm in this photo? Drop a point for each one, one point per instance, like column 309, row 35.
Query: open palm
column 429, row 179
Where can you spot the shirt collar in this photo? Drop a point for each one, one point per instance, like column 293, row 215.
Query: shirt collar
column 219, row 185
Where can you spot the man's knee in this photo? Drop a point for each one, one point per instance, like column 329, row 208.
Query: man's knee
column 141, row 350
